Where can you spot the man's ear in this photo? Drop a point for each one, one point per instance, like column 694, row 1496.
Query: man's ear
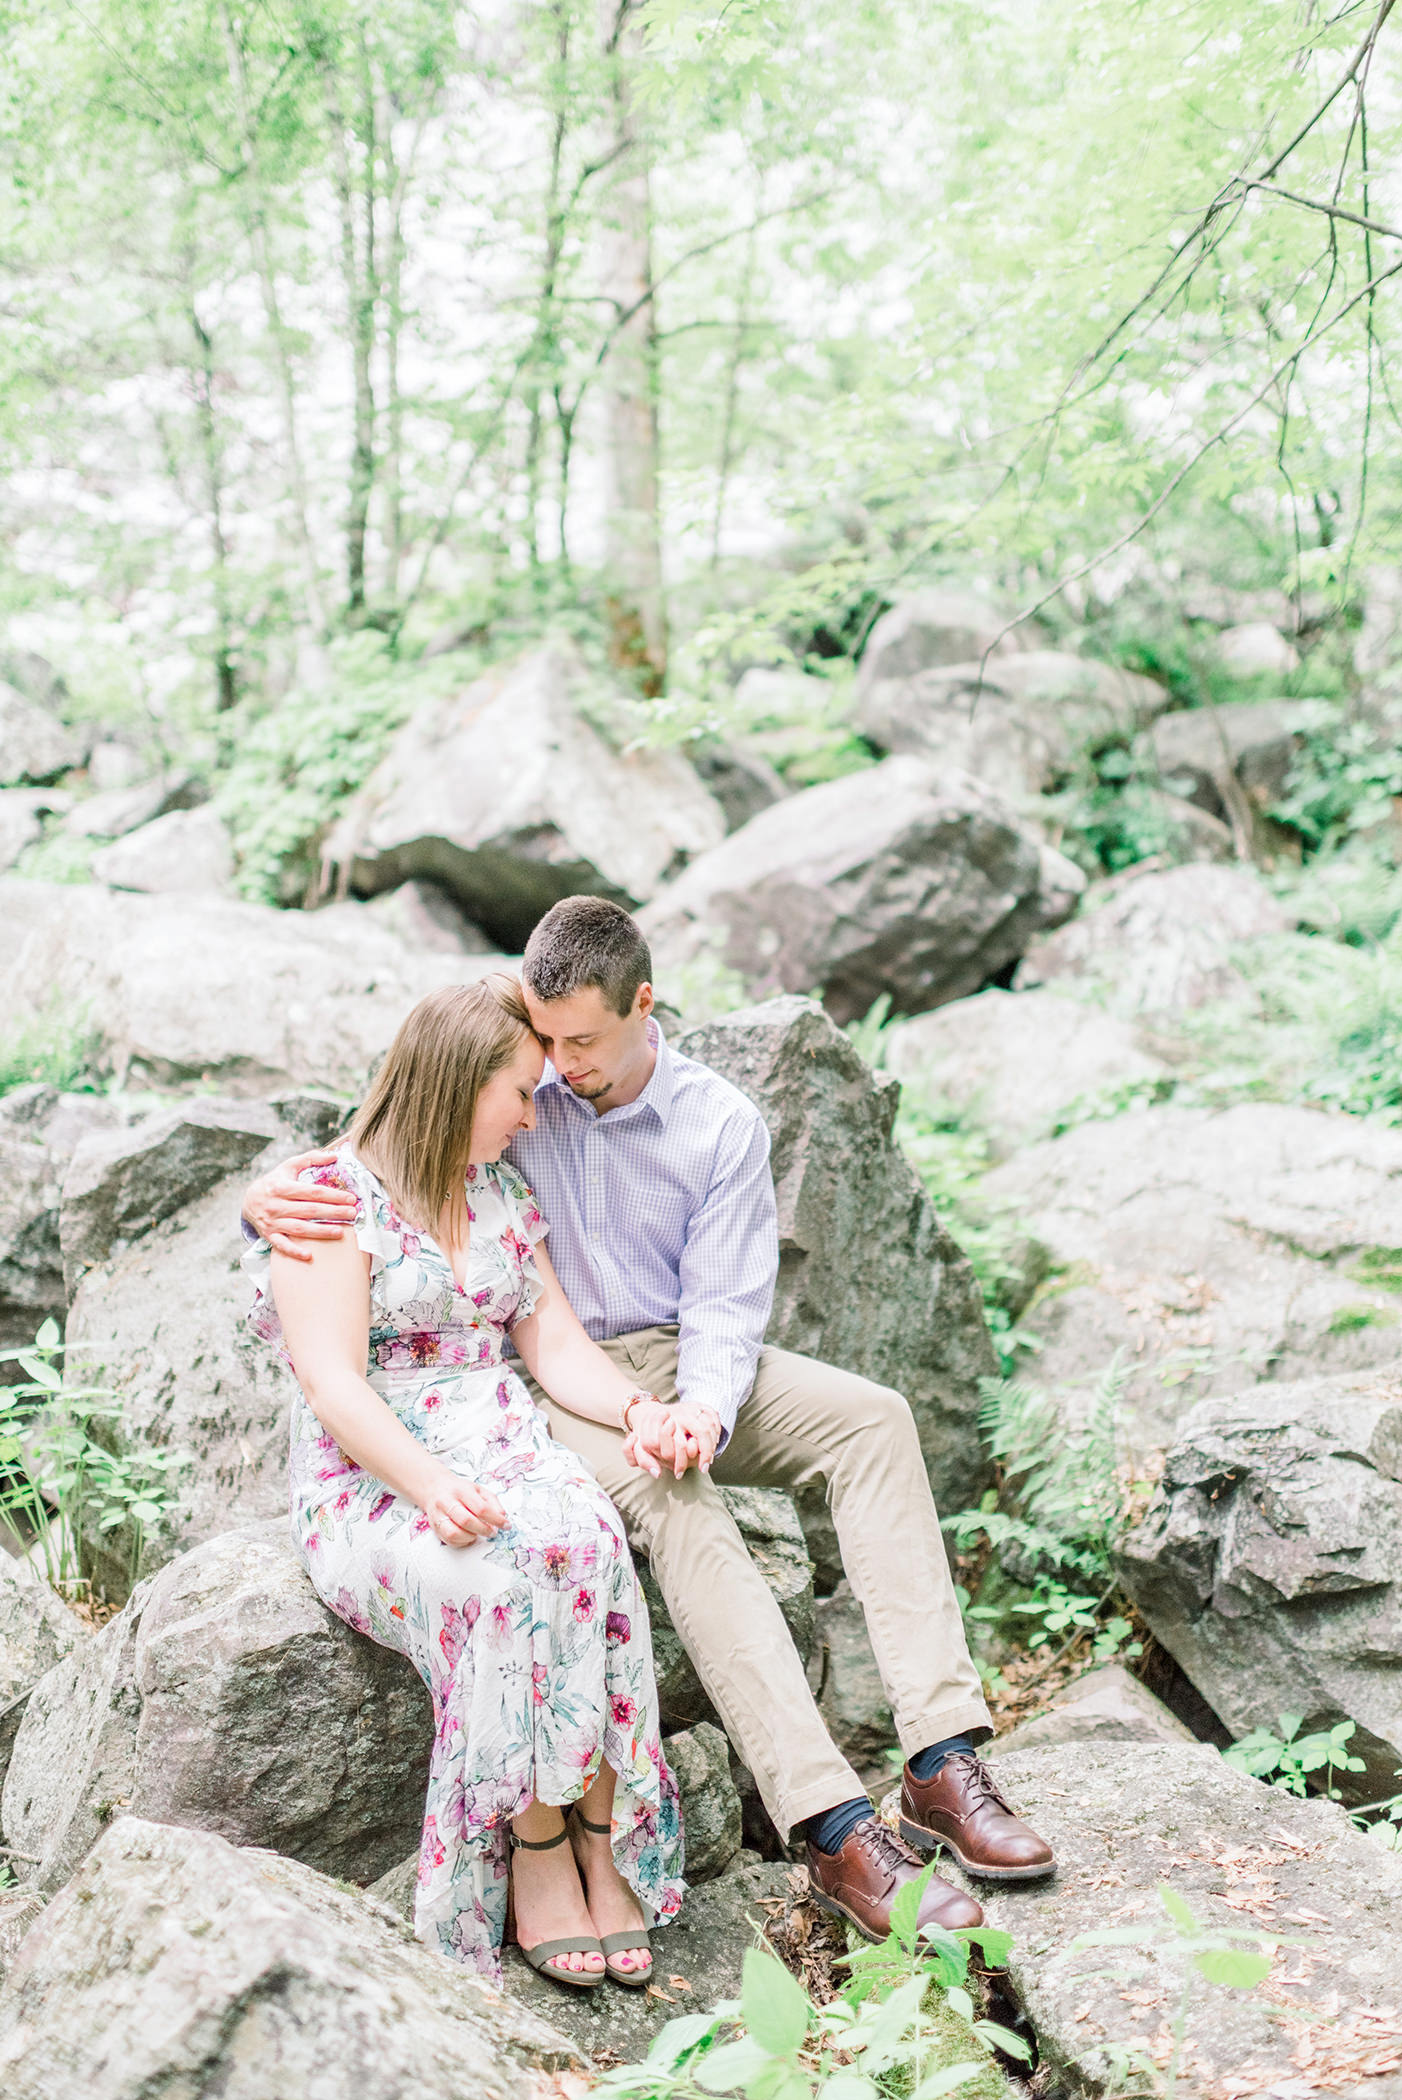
column 645, row 1001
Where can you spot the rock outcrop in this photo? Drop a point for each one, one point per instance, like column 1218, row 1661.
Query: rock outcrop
column 225, row 1697
column 898, row 1303
column 178, row 1963
column 851, row 1695
column 187, row 849
column 896, row 880
column 930, row 628
column 40, row 1128
column 122, row 1183
column 1014, row 1061
column 200, row 989
column 507, row 797
column 1292, row 1877
column 1017, row 723
column 1107, row 1705
column 160, row 1325
column 35, row 747
column 22, row 814
column 1270, row 1561
column 1217, row 1246
column 1215, row 755
column 37, row 1631
column 1158, row 943
column 700, row 1762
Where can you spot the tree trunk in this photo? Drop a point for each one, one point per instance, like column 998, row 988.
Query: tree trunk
column 358, row 277
column 633, row 549
column 256, row 220
column 541, row 368
column 226, row 690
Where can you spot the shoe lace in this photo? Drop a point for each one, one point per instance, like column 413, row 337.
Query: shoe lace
column 979, row 1781
column 884, row 1847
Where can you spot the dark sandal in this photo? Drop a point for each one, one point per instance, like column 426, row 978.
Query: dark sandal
column 635, row 1940
column 544, row 1952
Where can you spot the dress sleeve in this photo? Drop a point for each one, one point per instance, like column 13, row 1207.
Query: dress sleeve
column 525, row 1229
column 376, row 1232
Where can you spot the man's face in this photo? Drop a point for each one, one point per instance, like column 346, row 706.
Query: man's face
column 591, row 1047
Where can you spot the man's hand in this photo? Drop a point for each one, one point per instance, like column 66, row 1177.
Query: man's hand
column 461, row 1512
column 285, row 1211
column 676, row 1437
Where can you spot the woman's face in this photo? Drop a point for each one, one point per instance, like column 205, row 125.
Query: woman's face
column 506, row 1103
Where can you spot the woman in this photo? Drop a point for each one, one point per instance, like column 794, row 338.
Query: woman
column 435, row 1513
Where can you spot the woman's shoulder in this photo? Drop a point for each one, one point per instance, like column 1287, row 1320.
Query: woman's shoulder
column 349, row 1172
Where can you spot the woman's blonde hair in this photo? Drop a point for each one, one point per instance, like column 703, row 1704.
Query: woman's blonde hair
column 414, row 1127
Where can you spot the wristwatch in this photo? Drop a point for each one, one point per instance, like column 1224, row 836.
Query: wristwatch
column 630, row 1401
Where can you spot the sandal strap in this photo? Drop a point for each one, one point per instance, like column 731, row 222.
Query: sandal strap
column 599, row 1829
column 546, row 1950
column 536, row 1844
column 616, row 1942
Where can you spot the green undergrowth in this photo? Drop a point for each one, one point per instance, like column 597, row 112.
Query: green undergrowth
column 52, row 1046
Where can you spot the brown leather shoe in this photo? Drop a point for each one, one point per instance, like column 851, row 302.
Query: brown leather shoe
column 960, row 1811
column 860, row 1881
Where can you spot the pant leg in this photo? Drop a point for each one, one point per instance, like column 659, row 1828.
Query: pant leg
column 721, row 1606
column 807, row 1421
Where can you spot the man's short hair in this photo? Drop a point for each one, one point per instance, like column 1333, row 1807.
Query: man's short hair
column 584, row 943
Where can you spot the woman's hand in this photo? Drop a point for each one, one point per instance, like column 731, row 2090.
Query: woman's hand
column 461, row 1512
column 675, row 1436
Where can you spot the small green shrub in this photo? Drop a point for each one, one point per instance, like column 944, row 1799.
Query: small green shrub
column 53, row 1047
column 1289, row 1761
column 299, row 761
column 58, row 1483
column 1342, row 783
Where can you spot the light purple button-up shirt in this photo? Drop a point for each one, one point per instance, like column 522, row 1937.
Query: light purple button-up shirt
column 662, row 1211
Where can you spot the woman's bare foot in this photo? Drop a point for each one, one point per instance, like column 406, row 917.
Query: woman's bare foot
column 548, row 1894
column 612, row 1905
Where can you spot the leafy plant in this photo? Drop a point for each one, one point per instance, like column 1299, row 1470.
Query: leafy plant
column 905, row 2012
column 1290, row 1760
column 53, row 1046
column 1343, row 782
column 58, row 1483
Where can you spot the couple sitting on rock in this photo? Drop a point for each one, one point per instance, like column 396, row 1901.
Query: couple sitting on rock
column 478, row 1516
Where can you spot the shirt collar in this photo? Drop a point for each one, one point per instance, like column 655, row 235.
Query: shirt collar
column 656, row 1095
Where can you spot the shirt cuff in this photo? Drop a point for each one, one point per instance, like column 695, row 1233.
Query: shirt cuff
column 253, row 1238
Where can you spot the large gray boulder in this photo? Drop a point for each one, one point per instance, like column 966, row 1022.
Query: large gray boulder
column 700, row 1761
column 36, row 1631
column 187, row 849
column 35, row 747
column 160, row 1325
column 1210, row 1246
column 938, row 625
column 868, row 1277
column 128, row 805
column 1270, row 1561
column 1107, row 1705
column 1016, row 723
column 507, row 796
column 1244, row 748
column 1158, row 943
column 852, row 1697
column 122, row 1183
column 225, row 1697
column 1257, row 649
column 22, row 813
column 774, row 1536
column 176, row 1963
column 179, row 990
column 898, row 879
column 1128, row 1818
column 40, row 1128
column 423, row 915
column 1016, row 1061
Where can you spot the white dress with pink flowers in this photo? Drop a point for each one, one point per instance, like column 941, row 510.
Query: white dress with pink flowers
column 534, row 1643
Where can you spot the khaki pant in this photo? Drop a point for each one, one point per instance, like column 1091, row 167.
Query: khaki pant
column 803, row 1421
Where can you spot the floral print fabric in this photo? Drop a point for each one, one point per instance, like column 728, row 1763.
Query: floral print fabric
column 534, row 1643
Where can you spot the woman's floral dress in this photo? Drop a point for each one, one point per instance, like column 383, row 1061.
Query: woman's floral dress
column 535, row 1642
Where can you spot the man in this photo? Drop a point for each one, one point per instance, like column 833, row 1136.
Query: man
column 653, row 1173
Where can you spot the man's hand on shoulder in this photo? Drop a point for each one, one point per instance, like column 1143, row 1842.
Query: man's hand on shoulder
column 673, row 1438
column 287, row 1212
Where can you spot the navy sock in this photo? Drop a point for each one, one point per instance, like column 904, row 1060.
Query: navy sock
column 926, row 1763
column 830, row 1831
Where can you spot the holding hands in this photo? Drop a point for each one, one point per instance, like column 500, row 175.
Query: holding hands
column 676, row 1436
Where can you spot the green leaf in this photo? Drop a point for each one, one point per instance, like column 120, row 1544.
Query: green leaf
column 1239, row 1970
column 1004, row 2038
column 42, row 1373
column 905, row 1908
column 994, row 1945
column 672, row 2042
column 960, row 2002
column 729, row 2068
column 849, row 2085
column 776, row 2011
column 947, row 2080
column 48, row 1336
column 1177, row 1909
